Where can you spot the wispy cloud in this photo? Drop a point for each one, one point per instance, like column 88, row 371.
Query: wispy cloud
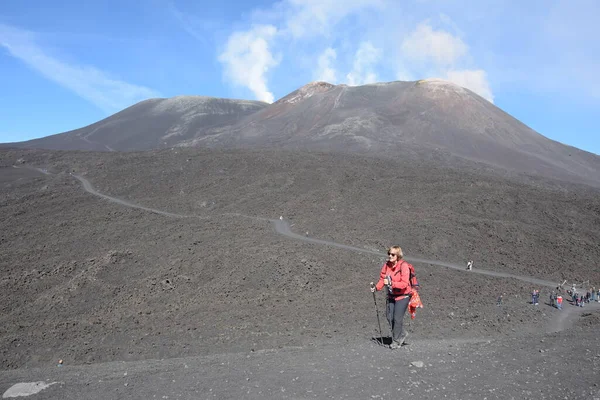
column 363, row 69
column 309, row 18
column 247, row 59
column 185, row 23
column 441, row 53
column 325, row 70
column 425, row 44
column 94, row 85
column 475, row 80
column 201, row 29
column 357, row 49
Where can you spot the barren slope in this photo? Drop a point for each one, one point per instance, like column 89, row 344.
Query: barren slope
column 151, row 124
column 423, row 120
column 88, row 280
column 406, row 119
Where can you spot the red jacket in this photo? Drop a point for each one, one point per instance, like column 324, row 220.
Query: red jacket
column 400, row 274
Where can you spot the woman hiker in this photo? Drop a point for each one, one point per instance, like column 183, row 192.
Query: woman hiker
column 395, row 276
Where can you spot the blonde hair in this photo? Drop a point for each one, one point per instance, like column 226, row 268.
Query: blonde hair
column 398, row 251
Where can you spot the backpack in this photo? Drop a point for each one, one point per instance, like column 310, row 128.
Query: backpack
column 412, row 278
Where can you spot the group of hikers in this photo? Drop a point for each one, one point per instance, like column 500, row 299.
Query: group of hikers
column 577, row 299
column 580, row 299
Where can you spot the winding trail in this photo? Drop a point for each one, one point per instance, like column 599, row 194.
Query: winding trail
column 564, row 318
column 90, row 189
column 86, row 139
column 283, row 228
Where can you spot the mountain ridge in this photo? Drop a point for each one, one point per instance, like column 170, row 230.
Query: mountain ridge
column 149, row 124
column 389, row 119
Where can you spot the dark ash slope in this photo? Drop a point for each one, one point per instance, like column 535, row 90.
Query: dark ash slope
column 150, row 124
column 86, row 280
column 407, row 119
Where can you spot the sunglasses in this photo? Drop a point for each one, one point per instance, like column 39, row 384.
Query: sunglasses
column 392, row 254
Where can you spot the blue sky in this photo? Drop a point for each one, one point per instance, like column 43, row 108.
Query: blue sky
column 66, row 64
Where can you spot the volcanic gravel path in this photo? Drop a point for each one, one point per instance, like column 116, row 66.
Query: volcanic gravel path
column 283, row 227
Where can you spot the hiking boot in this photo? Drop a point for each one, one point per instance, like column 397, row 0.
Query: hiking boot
column 402, row 338
column 395, row 345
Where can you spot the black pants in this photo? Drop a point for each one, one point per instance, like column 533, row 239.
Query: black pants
column 395, row 315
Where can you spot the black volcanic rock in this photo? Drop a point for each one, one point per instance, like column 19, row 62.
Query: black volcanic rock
column 151, row 124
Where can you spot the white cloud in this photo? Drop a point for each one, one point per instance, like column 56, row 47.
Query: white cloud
column 306, row 18
column 325, row 71
column 444, row 55
column 90, row 83
column 184, row 21
column 390, row 46
column 475, row 80
column 403, row 73
column 426, row 44
column 363, row 70
column 247, row 59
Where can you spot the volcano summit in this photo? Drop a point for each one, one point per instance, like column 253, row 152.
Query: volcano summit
column 421, row 119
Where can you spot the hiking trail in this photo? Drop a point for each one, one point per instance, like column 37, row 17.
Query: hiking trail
column 282, row 227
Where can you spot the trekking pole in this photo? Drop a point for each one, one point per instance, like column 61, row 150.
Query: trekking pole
column 377, row 311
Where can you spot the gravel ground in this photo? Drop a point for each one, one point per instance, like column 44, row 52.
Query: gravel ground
column 93, row 282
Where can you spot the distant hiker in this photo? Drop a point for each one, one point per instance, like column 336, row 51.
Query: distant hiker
column 470, row 265
column 499, row 301
column 561, row 287
column 559, row 300
column 534, row 297
column 395, row 276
